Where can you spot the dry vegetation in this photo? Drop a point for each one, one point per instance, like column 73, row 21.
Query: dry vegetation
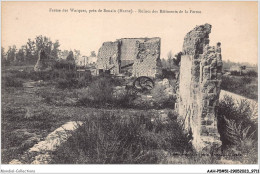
column 246, row 86
column 122, row 128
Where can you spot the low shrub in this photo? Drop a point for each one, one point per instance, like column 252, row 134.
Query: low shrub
column 168, row 74
column 28, row 75
column 67, row 79
column 252, row 73
column 162, row 98
column 12, row 82
column 126, row 98
column 240, row 112
column 84, row 81
column 235, row 73
column 245, row 86
column 21, row 127
column 64, row 64
column 66, row 83
column 62, row 77
column 111, row 139
column 237, row 130
column 100, row 93
column 246, row 80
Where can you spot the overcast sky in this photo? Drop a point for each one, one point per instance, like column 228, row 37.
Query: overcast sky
column 234, row 24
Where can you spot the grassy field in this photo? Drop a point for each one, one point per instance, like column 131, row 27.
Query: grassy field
column 118, row 129
column 32, row 108
column 28, row 115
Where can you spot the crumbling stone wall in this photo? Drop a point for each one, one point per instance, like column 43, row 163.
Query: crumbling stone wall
column 199, row 86
column 147, row 58
column 144, row 53
column 128, row 48
column 108, row 57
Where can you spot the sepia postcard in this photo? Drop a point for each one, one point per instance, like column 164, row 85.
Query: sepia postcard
column 95, row 87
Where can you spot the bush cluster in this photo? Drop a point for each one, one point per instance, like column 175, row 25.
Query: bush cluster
column 236, row 128
column 102, row 93
column 167, row 73
column 244, row 86
column 111, row 139
column 161, row 97
column 63, row 78
column 8, row 81
column 250, row 73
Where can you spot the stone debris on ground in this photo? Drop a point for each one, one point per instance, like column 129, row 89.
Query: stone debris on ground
column 42, row 159
column 15, row 161
column 51, row 143
column 56, row 138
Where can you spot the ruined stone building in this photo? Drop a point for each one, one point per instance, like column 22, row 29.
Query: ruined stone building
column 136, row 56
column 199, row 86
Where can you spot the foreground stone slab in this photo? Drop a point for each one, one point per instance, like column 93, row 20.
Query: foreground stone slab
column 51, row 143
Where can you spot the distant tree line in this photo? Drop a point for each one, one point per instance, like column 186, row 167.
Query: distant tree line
column 28, row 53
column 227, row 64
column 173, row 61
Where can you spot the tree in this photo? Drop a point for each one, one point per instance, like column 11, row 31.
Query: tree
column 2, row 52
column 164, row 63
column 30, row 52
column 11, row 54
column 177, row 59
column 93, row 54
column 64, row 54
column 55, row 49
column 3, row 57
column 20, row 56
column 70, row 59
column 41, row 42
column 170, row 59
column 76, row 55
